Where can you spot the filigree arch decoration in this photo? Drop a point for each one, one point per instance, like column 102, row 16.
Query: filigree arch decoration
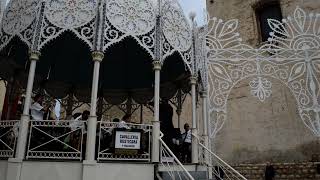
column 77, row 16
column 176, row 32
column 70, row 13
column 201, row 65
column 223, row 34
column 124, row 18
column 131, row 17
column 293, row 60
column 19, row 19
column 300, row 31
column 176, row 28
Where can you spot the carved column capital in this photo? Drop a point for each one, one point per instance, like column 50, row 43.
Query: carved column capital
column 204, row 94
column 157, row 65
column 34, row 56
column 193, row 80
column 97, row 56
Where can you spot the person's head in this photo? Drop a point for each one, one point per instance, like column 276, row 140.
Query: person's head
column 126, row 117
column 85, row 115
column 116, row 120
column 186, row 127
column 38, row 98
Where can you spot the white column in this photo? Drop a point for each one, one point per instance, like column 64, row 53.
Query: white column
column 24, row 123
column 205, row 123
column 92, row 121
column 194, row 154
column 156, row 121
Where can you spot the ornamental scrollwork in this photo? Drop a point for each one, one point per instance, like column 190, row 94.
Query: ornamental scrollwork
column 298, row 32
column 116, row 30
column 131, row 17
column 19, row 20
column 291, row 57
column 19, row 15
column 261, row 88
column 176, row 28
column 70, row 13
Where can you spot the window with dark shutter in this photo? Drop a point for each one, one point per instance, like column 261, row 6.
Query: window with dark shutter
column 271, row 10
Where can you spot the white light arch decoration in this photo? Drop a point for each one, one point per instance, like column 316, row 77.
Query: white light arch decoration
column 77, row 16
column 124, row 18
column 102, row 23
column 132, row 17
column 70, row 13
column 19, row 19
column 176, row 32
column 292, row 56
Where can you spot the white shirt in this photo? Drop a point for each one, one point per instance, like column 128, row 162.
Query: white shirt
column 77, row 123
column 123, row 124
column 36, row 111
column 187, row 139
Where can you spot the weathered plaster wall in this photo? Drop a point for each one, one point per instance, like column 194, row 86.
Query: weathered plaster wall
column 243, row 10
column 256, row 132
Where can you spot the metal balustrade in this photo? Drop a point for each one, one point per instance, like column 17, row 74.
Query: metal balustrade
column 51, row 139
column 108, row 150
column 218, row 169
column 8, row 136
column 174, row 168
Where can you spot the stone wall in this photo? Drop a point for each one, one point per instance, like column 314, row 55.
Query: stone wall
column 257, row 132
column 284, row 171
column 244, row 11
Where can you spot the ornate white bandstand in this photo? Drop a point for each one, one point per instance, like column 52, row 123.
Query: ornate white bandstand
column 159, row 28
column 214, row 58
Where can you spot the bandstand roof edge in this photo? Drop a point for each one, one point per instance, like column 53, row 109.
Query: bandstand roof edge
column 291, row 55
column 100, row 24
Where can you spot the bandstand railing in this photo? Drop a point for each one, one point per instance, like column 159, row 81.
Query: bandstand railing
column 114, row 142
column 51, row 139
column 217, row 168
column 172, row 165
column 8, row 136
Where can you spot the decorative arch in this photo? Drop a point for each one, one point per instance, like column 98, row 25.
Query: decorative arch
column 19, row 19
column 291, row 56
column 124, row 18
column 188, row 67
column 63, row 15
column 57, row 57
column 102, row 23
column 176, row 32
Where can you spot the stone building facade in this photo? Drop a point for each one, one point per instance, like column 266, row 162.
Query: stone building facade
column 257, row 132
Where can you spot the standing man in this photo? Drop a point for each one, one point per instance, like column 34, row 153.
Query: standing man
column 186, row 144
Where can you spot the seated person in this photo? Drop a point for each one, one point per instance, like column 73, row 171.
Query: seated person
column 115, row 124
column 123, row 123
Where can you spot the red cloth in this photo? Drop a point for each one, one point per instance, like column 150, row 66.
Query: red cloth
column 13, row 110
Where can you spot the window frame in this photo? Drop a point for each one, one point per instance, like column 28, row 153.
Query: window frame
column 257, row 8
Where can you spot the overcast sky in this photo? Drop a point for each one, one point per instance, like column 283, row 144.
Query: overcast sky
column 197, row 6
